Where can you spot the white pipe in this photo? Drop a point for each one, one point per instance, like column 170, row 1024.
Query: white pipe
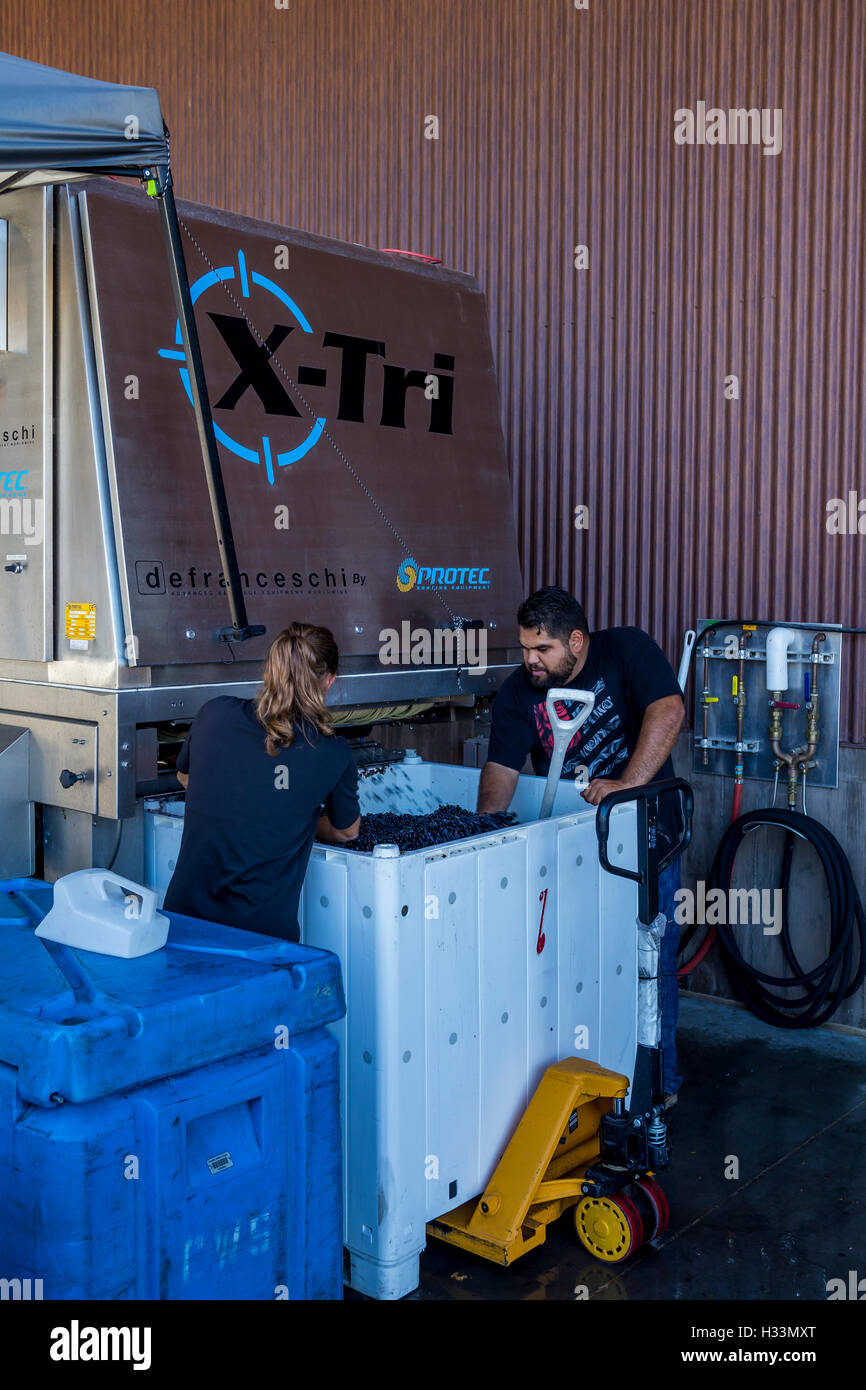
column 778, row 642
column 685, row 659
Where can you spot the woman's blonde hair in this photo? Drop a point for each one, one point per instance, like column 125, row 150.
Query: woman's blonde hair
column 295, row 669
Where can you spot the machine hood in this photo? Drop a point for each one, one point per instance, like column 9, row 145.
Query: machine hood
column 356, row 412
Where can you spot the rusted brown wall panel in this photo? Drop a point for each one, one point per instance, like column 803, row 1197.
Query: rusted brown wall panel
column 557, row 129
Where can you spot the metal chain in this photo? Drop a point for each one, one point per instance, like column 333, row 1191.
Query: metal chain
column 456, row 620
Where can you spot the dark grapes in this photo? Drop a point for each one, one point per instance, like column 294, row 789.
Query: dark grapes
column 437, row 827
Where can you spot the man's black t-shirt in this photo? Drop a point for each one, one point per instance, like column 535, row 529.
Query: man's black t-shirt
column 251, row 818
column 626, row 671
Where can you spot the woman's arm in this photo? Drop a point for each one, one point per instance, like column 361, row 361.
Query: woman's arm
column 341, row 801
column 332, row 836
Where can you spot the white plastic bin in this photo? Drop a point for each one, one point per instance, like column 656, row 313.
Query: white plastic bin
column 467, row 969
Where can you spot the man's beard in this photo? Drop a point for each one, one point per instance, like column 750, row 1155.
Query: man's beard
column 548, row 680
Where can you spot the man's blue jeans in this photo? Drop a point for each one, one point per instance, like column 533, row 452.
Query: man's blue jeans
column 669, row 999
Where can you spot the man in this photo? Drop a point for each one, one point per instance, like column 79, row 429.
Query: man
column 625, row 742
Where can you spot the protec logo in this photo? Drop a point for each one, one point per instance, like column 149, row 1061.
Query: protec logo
column 407, row 575
column 411, row 575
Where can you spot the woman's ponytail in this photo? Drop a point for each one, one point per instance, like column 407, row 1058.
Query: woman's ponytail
column 299, row 660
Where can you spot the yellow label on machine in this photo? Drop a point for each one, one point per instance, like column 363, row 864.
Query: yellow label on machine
column 734, row 686
column 81, row 622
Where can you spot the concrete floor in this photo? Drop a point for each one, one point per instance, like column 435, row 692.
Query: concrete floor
column 791, row 1107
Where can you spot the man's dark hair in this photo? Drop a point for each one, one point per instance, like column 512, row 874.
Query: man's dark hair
column 554, row 609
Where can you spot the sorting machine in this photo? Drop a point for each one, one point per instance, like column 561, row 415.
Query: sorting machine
column 354, row 401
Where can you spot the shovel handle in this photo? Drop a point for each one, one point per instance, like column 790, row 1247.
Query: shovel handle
column 564, row 728
column 570, row 723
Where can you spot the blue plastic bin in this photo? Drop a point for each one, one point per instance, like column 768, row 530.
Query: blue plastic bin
column 169, row 1128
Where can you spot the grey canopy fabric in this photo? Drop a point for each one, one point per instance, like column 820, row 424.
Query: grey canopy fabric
column 55, row 125
column 53, row 121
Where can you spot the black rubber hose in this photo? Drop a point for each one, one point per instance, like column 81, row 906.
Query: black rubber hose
column 838, row 977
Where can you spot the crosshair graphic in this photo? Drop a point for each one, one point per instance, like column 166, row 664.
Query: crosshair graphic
column 263, row 454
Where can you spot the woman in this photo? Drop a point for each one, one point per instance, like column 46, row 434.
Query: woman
column 258, row 773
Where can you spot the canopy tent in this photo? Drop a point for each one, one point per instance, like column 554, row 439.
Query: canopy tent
column 53, row 123
column 55, row 126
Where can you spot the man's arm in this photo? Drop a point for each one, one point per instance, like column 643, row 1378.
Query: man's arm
column 658, row 734
column 511, row 738
column 496, row 788
column 183, row 778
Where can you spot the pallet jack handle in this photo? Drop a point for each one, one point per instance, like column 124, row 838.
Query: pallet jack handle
column 647, row 1081
column 649, row 863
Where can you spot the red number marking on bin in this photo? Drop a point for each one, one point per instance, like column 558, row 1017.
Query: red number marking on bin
column 542, row 898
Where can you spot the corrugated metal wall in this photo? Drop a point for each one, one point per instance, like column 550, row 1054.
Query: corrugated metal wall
column 556, row 129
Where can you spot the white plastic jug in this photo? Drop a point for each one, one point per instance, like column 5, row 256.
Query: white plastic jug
column 95, row 910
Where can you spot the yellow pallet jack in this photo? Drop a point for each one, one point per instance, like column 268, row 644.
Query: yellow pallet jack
column 577, row 1145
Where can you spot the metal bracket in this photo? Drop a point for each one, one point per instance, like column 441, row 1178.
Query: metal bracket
column 747, row 746
column 760, row 654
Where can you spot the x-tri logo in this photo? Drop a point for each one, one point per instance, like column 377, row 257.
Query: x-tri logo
column 254, row 362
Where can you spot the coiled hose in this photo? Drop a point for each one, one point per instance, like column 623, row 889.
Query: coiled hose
column 842, row 972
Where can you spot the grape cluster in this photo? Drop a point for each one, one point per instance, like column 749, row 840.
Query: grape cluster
column 437, row 827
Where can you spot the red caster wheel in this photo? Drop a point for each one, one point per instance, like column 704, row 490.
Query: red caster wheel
column 610, row 1228
column 654, row 1207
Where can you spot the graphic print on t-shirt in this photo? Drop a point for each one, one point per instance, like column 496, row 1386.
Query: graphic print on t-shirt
column 600, row 735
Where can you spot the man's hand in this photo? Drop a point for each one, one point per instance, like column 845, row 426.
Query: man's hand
column 600, row 787
column 658, row 734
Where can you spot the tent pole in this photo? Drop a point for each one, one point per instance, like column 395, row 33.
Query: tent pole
column 241, row 628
